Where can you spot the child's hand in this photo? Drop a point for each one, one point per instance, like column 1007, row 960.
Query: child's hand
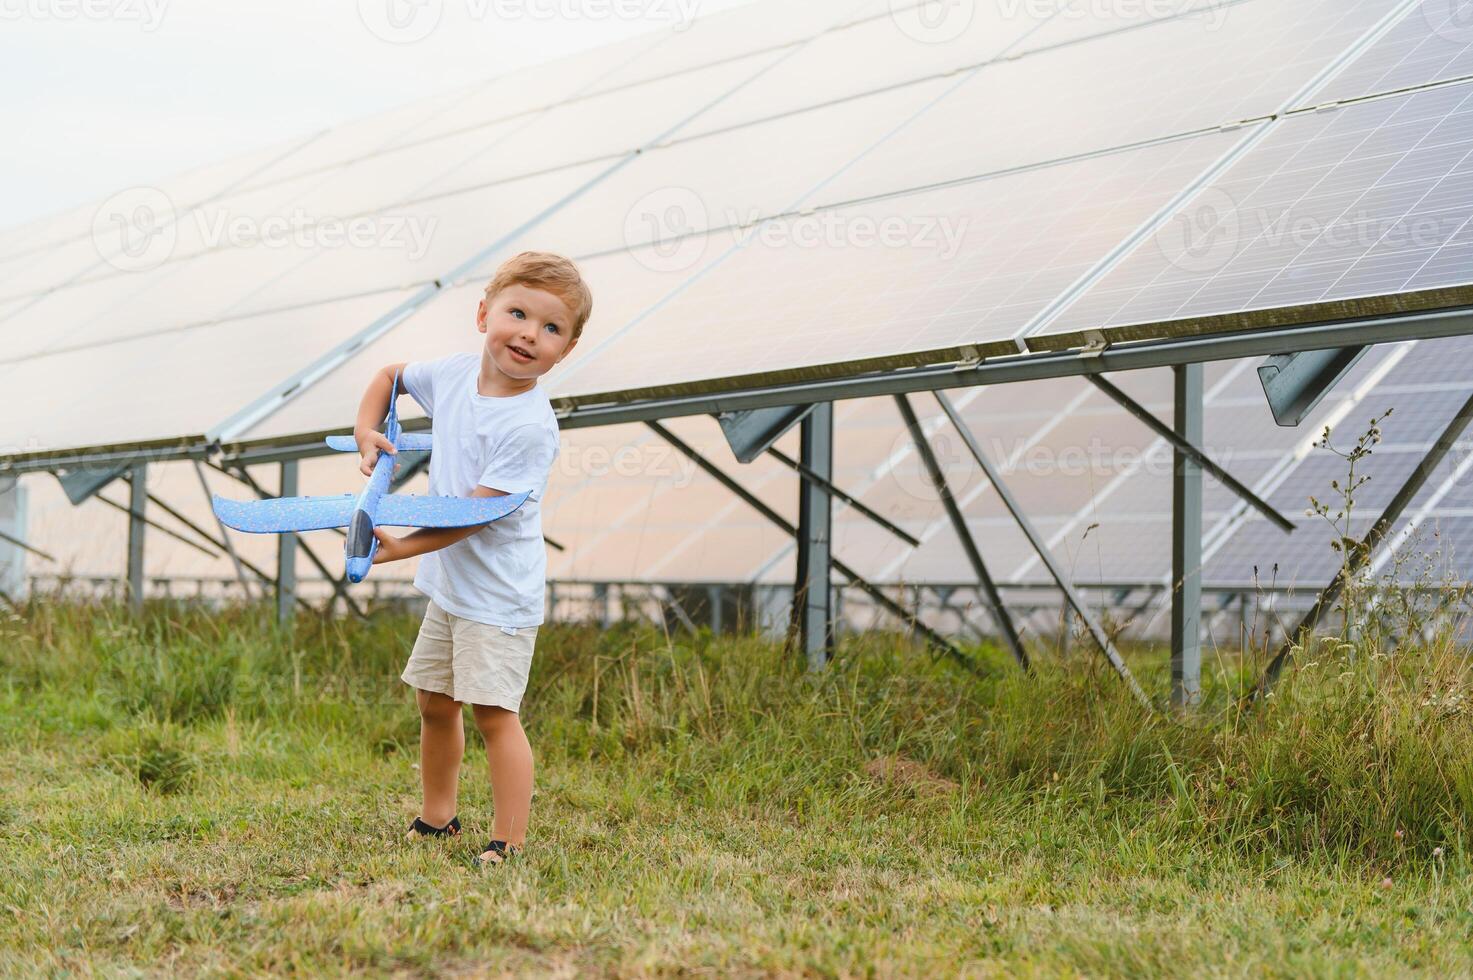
column 390, row 548
column 370, row 441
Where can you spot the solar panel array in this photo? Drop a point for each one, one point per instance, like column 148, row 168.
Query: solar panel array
column 769, row 196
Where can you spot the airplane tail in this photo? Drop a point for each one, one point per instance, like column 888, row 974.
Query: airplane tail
column 393, row 415
column 406, row 442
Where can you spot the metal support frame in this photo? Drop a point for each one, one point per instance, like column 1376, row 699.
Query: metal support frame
column 1005, row 494
column 137, row 504
column 11, row 539
column 1182, row 446
column 749, row 433
column 838, row 493
column 235, row 559
column 1186, row 538
column 813, row 612
column 1032, row 366
column 150, row 498
column 911, row 620
column 1295, row 383
column 286, row 553
column 1250, row 340
column 1358, row 554
column 963, row 533
column 82, row 482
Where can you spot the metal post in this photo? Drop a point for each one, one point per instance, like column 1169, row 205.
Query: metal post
column 137, row 503
column 601, row 603
column 1186, row 540
column 812, row 591
column 1360, row 553
column 911, row 619
column 286, row 552
column 235, row 559
column 963, row 533
column 713, row 596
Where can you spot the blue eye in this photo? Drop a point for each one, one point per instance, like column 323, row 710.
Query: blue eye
column 519, row 314
column 554, row 328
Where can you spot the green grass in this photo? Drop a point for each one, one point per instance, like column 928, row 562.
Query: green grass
column 192, row 792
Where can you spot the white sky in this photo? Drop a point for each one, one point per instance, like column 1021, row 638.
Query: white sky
column 105, row 94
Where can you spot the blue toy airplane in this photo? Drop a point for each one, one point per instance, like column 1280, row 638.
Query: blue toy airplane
column 373, row 507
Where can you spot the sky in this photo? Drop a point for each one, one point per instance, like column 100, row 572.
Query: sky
column 107, row 94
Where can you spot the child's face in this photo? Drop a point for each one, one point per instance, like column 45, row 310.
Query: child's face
column 527, row 330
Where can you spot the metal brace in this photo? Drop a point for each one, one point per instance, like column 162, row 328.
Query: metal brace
column 1094, row 344
column 970, row 358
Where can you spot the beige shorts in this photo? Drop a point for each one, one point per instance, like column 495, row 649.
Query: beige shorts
column 470, row 661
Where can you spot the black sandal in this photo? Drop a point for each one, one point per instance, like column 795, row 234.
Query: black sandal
column 451, row 829
column 503, row 851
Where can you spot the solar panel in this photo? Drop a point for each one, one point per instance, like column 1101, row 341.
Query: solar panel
column 1370, row 199
column 726, row 180
column 913, row 43
column 124, row 229
column 738, row 32
column 701, row 45
column 435, row 180
column 388, row 252
column 599, row 127
column 172, row 386
column 1432, row 42
column 358, row 140
column 1239, row 433
column 938, row 270
column 1175, row 76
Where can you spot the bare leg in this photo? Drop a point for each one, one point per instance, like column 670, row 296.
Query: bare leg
column 441, row 747
column 509, row 755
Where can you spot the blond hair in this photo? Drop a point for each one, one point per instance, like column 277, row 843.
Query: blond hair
column 553, row 273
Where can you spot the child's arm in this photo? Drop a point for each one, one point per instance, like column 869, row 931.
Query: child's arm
column 371, row 412
column 426, row 539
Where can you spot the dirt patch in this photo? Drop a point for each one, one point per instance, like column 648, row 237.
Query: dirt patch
column 903, row 773
column 181, row 898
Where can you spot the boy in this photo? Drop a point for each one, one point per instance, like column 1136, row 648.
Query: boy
column 494, row 433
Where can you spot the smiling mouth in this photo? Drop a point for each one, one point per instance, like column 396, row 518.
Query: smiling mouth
column 519, row 352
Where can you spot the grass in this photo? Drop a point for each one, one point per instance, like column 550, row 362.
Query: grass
column 194, row 792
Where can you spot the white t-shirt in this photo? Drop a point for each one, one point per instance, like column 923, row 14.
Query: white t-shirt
column 496, row 575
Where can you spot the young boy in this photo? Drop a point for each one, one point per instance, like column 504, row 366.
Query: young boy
column 494, row 433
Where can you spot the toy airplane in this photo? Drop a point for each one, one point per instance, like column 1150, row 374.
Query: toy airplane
column 373, row 507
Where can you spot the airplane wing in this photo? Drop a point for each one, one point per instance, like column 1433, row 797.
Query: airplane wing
column 409, row 442
column 286, row 513
column 399, row 510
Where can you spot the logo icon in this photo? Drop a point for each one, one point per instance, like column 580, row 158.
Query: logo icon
column 1451, row 20
column 1203, row 236
column 933, row 21
column 135, row 230
column 666, row 228
column 401, row 21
